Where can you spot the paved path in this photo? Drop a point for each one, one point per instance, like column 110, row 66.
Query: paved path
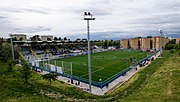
column 111, row 87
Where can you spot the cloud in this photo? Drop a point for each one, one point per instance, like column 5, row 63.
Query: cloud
column 32, row 29
column 170, row 6
column 158, row 19
column 114, row 18
column 38, row 10
column 95, row 11
column 3, row 19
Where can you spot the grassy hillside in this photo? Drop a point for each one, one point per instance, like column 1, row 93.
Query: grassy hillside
column 163, row 84
column 158, row 82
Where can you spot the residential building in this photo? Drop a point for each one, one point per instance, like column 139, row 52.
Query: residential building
column 125, row 43
column 177, row 40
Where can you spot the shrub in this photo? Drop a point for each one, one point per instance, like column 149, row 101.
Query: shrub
column 11, row 64
column 172, row 51
column 25, row 72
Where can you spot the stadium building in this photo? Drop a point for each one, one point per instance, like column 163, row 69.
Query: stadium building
column 47, row 38
column 19, row 37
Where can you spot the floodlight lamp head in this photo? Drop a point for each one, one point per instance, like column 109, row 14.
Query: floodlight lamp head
column 85, row 13
column 10, row 33
column 160, row 30
column 89, row 13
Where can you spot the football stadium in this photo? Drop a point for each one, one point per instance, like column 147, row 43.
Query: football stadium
column 70, row 59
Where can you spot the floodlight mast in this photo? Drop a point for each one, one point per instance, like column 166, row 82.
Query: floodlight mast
column 107, row 41
column 164, row 41
column 88, row 16
column 12, row 48
column 161, row 32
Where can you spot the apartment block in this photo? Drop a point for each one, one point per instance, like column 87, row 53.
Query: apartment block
column 124, row 43
column 177, row 40
column 145, row 43
column 135, row 43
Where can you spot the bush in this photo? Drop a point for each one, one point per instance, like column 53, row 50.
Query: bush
column 11, row 64
column 177, row 47
column 25, row 72
column 179, row 53
column 169, row 46
column 172, row 51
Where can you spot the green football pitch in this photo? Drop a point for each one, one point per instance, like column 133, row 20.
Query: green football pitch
column 104, row 65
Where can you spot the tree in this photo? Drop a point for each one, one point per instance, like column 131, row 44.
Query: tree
column 84, row 39
column 35, row 38
column 5, row 52
column 55, row 38
column 60, row 38
column 78, row 39
column 21, row 39
column 13, row 39
column 11, row 64
column 65, row 38
column 149, row 36
column 171, row 45
column 25, row 72
column 1, row 42
column 49, row 39
column 50, row 77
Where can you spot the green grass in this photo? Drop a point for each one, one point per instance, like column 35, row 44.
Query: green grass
column 104, row 65
column 153, row 83
column 159, row 82
column 12, row 88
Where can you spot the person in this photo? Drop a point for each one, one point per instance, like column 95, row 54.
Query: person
column 72, row 81
column 107, row 85
column 78, row 82
column 131, row 59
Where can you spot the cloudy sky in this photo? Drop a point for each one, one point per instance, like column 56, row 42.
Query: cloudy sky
column 115, row 19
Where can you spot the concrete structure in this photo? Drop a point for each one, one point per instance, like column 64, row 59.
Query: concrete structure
column 47, row 38
column 144, row 43
column 19, row 37
column 164, row 41
column 125, row 43
column 177, row 40
column 135, row 43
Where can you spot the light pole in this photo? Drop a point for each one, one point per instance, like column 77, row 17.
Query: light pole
column 107, row 41
column 88, row 16
column 164, row 41
column 161, row 32
column 12, row 48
